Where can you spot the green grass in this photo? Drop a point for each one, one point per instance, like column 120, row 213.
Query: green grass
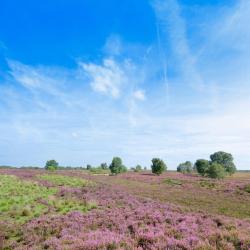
column 62, row 180
column 99, row 171
column 173, row 182
column 18, row 199
column 22, row 200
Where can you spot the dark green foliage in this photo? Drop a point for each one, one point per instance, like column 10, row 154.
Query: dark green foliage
column 158, row 166
column 51, row 168
column 116, row 166
column 224, row 159
column 51, row 165
column 138, row 168
column 89, row 166
column 202, row 166
column 207, row 184
column 216, row 171
column 186, row 167
column 104, row 165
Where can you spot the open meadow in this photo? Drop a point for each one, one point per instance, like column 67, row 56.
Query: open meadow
column 77, row 209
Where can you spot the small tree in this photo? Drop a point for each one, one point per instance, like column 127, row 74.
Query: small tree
column 89, row 166
column 138, row 168
column 216, row 171
column 51, row 165
column 186, row 167
column 104, row 165
column 116, row 166
column 224, row 159
column 158, row 166
column 202, row 166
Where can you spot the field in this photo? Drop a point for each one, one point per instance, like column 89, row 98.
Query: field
column 77, row 209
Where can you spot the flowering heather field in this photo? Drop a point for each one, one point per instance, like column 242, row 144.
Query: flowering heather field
column 78, row 210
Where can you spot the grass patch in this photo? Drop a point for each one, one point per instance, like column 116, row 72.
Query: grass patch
column 99, row 171
column 18, row 199
column 22, row 200
column 173, row 182
column 207, row 184
column 62, row 180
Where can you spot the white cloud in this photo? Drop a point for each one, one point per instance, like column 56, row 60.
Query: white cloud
column 139, row 95
column 107, row 78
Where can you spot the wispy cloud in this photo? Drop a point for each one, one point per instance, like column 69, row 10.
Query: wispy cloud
column 107, row 78
column 139, row 95
column 173, row 31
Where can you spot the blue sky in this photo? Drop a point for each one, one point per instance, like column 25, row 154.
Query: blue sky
column 83, row 81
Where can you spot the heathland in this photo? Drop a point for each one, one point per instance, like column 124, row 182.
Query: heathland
column 84, row 209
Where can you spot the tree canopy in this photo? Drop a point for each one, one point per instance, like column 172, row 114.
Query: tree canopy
column 158, row 166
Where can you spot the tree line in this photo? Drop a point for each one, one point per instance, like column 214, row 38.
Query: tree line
column 219, row 165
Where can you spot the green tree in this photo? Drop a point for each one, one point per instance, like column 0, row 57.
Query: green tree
column 224, row 159
column 202, row 166
column 138, row 168
column 185, row 167
column 116, row 166
column 104, row 165
column 216, row 171
column 89, row 166
column 51, row 165
column 158, row 166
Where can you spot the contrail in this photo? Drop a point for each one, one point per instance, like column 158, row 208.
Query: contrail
column 162, row 58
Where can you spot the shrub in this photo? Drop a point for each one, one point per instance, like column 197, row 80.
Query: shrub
column 158, row 166
column 224, row 159
column 138, row 168
column 216, row 171
column 186, row 167
column 51, row 168
column 51, row 165
column 116, row 166
column 202, row 166
column 247, row 188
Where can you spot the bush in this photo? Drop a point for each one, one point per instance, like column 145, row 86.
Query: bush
column 51, row 165
column 186, row 167
column 51, row 168
column 224, row 159
column 247, row 188
column 202, row 166
column 138, row 168
column 216, row 171
column 116, row 166
column 158, row 166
